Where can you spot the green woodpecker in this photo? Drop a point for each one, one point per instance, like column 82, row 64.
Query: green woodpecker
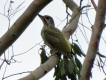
column 54, row 38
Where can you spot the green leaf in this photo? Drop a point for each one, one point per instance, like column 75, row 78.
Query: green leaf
column 79, row 65
column 71, row 66
column 60, row 64
column 62, row 68
column 63, row 77
column 57, row 77
column 77, row 49
column 62, row 71
column 77, row 71
column 43, row 56
column 57, row 69
column 72, row 76
column 57, row 74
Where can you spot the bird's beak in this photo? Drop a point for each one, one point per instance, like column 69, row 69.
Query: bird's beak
column 42, row 18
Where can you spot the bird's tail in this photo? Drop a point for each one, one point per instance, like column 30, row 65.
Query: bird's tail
column 65, row 61
column 65, row 64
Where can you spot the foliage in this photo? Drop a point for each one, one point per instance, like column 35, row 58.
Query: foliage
column 74, row 66
column 43, row 55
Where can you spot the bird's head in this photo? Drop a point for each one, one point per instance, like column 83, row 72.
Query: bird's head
column 47, row 20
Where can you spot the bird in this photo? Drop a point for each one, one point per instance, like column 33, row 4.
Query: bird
column 54, row 38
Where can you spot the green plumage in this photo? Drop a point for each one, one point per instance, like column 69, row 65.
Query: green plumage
column 54, row 39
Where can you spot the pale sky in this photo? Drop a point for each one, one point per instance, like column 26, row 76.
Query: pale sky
column 31, row 36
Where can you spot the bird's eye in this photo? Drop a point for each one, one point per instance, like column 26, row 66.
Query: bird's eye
column 47, row 18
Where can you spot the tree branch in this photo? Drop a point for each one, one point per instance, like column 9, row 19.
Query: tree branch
column 94, row 42
column 71, row 27
column 94, row 5
column 21, row 24
column 42, row 69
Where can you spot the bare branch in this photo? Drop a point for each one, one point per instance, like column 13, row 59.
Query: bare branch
column 94, row 5
column 16, row 74
column 94, row 42
column 42, row 69
column 21, row 24
column 72, row 25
